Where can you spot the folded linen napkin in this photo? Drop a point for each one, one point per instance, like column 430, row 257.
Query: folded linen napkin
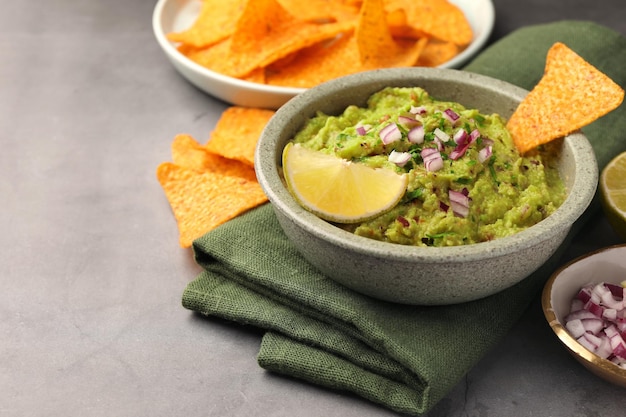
column 405, row 358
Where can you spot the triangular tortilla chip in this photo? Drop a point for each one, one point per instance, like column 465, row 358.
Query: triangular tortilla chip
column 571, row 94
column 437, row 52
column 203, row 201
column 237, row 132
column 377, row 48
column 266, row 32
column 322, row 11
column 371, row 47
column 215, row 22
column 188, row 153
column 439, row 19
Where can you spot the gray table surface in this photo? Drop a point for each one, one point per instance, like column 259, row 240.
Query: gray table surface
column 91, row 273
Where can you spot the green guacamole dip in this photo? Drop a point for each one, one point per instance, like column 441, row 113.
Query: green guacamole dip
column 467, row 181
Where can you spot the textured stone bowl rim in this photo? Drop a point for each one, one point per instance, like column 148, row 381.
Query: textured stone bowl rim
column 267, row 169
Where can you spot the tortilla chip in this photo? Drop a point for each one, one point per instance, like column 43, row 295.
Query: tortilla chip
column 208, row 185
column 316, row 64
column 188, row 153
column 203, row 201
column 439, row 19
column 215, row 22
column 237, row 131
column 265, row 33
column 322, row 11
column 371, row 47
column 571, row 94
column 377, row 48
column 257, row 76
column 264, row 38
column 437, row 52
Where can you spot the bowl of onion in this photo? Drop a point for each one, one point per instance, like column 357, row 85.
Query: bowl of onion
column 414, row 274
column 584, row 303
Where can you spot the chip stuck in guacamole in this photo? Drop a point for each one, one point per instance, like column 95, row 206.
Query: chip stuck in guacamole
column 467, row 182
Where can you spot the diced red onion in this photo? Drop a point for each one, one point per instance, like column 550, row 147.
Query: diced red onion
column 390, row 133
column 439, row 143
column 459, row 203
column 421, row 110
column 403, row 221
column 597, row 320
column 361, row 131
column 575, row 328
column 580, row 315
column 457, row 152
column 593, row 326
column 590, row 341
column 616, row 290
column 609, row 314
column 416, row 134
column 464, row 142
column 485, row 153
column 432, row 159
column 460, row 137
column 594, row 307
column 451, row 116
column 441, row 135
column 577, row 305
column 617, row 342
column 399, row 158
column 475, row 134
column 407, row 120
column 584, row 294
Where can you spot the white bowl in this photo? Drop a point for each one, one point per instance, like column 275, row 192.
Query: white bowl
column 418, row 275
column 604, row 265
column 176, row 15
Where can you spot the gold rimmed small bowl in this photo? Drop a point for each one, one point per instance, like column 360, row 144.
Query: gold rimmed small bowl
column 604, row 265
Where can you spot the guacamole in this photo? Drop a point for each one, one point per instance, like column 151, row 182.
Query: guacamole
column 467, row 181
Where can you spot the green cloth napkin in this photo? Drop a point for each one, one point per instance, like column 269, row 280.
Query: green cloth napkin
column 405, row 358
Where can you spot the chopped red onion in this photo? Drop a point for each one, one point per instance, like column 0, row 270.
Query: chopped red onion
column 485, row 153
column 418, row 110
column 399, row 158
column 441, row 135
column 403, row 221
column 451, row 116
column 439, row 143
column 575, row 328
column 597, row 320
column 416, row 134
column 407, row 120
column 390, row 133
column 584, row 294
column 464, row 142
column 459, row 203
column 458, row 152
column 580, row 315
column 616, row 290
column 432, row 159
column 460, row 137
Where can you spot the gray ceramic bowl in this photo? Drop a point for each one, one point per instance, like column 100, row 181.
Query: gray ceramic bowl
column 418, row 275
